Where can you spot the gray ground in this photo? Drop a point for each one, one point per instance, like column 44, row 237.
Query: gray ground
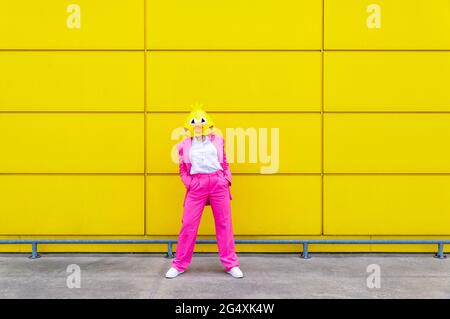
column 266, row 276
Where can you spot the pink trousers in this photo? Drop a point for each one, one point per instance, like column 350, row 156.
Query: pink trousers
column 212, row 186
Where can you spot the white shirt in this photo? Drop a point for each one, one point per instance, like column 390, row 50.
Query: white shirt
column 203, row 156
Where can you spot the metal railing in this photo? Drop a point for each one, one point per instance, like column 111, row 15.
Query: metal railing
column 170, row 242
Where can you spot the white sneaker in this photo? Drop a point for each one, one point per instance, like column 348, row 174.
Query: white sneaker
column 235, row 272
column 173, row 272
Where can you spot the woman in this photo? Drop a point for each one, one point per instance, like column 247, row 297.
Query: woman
column 206, row 175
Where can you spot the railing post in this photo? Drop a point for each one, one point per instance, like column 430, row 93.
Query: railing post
column 305, row 254
column 169, row 250
column 440, row 253
column 34, row 251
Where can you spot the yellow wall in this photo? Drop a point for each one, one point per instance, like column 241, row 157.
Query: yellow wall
column 358, row 90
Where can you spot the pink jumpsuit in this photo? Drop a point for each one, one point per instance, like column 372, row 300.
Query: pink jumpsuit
column 206, row 189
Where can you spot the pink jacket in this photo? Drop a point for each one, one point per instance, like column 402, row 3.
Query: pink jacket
column 184, row 148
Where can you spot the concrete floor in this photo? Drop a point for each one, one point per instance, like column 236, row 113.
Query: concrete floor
column 266, row 276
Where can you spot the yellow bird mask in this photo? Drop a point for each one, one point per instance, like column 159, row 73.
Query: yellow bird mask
column 198, row 122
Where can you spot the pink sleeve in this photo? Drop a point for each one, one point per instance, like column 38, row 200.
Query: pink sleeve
column 184, row 174
column 225, row 166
